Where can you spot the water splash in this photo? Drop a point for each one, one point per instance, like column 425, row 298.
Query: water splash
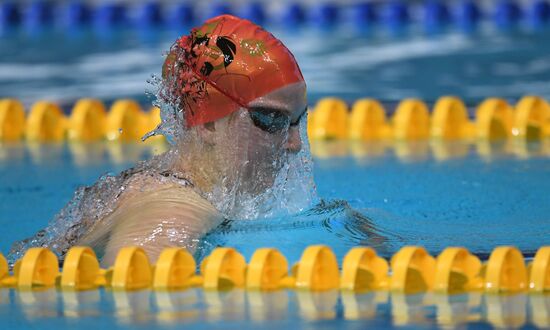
column 172, row 120
column 331, row 222
column 293, row 188
column 86, row 208
column 244, row 186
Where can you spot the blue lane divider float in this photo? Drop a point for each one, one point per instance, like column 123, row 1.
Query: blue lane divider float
column 395, row 15
column 10, row 14
column 436, row 15
column 150, row 14
column 325, row 14
column 253, row 12
column 507, row 13
column 38, row 14
column 467, row 14
column 392, row 14
column 219, row 8
column 110, row 14
column 182, row 14
column 364, row 14
column 538, row 13
column 293, row 14
column 76, row 14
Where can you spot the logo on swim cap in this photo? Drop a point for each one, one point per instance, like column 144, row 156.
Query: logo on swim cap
column 222, row 66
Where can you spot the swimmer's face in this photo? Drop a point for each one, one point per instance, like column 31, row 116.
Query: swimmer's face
column 265, row 134
column 277, row 115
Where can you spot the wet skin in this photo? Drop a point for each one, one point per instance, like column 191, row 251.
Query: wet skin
column 155, row 213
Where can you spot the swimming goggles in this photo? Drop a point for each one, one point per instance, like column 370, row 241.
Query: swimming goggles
column 272, row 120
column 267, row 119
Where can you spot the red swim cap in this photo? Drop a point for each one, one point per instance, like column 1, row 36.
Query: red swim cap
column 222, row 66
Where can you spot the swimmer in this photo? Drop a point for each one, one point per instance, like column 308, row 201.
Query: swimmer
column 233, row 101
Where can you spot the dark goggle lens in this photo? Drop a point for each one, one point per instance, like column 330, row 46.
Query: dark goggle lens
column 269, row 121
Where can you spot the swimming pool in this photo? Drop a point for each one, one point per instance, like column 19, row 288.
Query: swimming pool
column 343, row 62
column 453, row 194
column 386, row 195
column 419, row 193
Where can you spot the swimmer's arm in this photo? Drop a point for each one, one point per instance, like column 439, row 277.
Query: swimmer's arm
column 168, row 217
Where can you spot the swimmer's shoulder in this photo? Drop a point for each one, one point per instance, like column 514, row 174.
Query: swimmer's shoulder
column 148, row 199
column 164, row 187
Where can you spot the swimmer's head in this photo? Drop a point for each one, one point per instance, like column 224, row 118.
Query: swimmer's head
column 241, row 100
column 224, row 65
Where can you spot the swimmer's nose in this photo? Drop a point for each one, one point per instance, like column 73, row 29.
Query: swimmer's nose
column 294, row 142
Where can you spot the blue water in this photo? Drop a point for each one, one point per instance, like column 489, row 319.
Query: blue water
column 344, row 62
column 386, row 196
column 477, row 196
column 272, row 310
column 382, row 195
column 468, row 201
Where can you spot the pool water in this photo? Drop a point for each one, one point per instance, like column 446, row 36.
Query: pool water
column 477, row 195
column 343, row 62
column 269, row 310
column 435, row 195
column 378, row 194
column 387, row 202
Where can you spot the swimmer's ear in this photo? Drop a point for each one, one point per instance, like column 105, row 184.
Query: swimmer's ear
column 210, row 126
column 206, row 132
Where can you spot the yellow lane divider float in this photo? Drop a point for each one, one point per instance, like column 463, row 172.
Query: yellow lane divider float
column 125, row 121
column 12, row 120
column 411, row 120
column 45, row 122
column 368, row 121
column 411, row 270
column 531, row 118
column 330, row 120
column 494, row 119
column 450, row 119
column 89, row 121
